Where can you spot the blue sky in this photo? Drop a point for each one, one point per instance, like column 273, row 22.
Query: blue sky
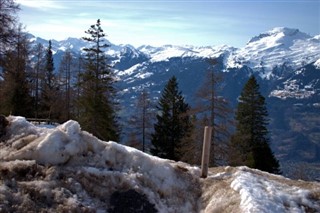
column 159, row 22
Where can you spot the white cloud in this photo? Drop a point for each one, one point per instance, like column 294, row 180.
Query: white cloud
column 40, row 4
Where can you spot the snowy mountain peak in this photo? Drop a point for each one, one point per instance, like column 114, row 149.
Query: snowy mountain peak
column 130, row 51
column 274, row 48
column 284, row 30
column 73, row 44
column 280, row 33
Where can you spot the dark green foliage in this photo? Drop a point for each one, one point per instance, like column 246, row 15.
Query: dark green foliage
column 250, row 143
column 173, row 123
column 14, row 90
column 96, row 99
column 49, row 67
column 50, row 89
column 191, row 148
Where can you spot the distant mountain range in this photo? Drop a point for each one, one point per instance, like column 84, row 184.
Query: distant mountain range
column 285, row 61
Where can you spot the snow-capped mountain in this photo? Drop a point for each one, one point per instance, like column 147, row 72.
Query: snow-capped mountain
column 276, row 47
column 285, row 61
column 263, row 53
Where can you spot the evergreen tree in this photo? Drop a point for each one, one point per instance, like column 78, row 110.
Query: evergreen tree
column 173, row 123
column 97, row 108
column 250, row 143
column 191, row 147
column 50, row 90
column 49, row 67
column 15, row 89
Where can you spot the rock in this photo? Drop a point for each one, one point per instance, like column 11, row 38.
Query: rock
column 130, row 202
column 3, row 124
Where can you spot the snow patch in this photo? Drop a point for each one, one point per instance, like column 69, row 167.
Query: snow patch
column 317, row 64
column 259, row 194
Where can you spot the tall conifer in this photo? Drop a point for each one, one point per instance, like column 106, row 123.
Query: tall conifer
column 250, row 143
column 96, row 102
column 49, row 102
column 173, row 123
column 15, row 89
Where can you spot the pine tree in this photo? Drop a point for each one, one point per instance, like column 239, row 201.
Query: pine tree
column 15, row 89
column 97, row 108
column 173, row 123
column 49, row 90
column 250, row 143
column 191, row 147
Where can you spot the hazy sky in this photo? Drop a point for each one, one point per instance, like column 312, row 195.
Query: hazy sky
column 158, row 22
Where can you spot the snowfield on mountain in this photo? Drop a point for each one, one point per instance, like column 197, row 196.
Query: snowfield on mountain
column 278, row 46
column 65, row 169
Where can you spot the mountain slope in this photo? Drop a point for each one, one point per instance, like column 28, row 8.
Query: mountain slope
column 276, row 47
column 62, row 168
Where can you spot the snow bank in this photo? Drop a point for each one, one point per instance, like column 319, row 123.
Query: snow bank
column 163, row 181
column 260, row 194
column 65, row 169
column 46, row 146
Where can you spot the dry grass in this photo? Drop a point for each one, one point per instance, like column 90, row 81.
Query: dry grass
column 218, row 196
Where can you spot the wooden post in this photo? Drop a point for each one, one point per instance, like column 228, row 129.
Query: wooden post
column 206, row 151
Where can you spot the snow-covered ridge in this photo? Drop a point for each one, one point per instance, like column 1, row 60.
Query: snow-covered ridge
column 280, row 32
column 164, row 53
column 66, row 169
column 262, row 53
column 276, row 47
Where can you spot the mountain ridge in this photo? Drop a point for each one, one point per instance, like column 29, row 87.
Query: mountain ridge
column 282, row 38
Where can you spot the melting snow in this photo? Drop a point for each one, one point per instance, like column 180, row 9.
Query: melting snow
column 65, row 168
column 260, row 194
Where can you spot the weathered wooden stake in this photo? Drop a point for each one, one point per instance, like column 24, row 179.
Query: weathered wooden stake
column 206, row 151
